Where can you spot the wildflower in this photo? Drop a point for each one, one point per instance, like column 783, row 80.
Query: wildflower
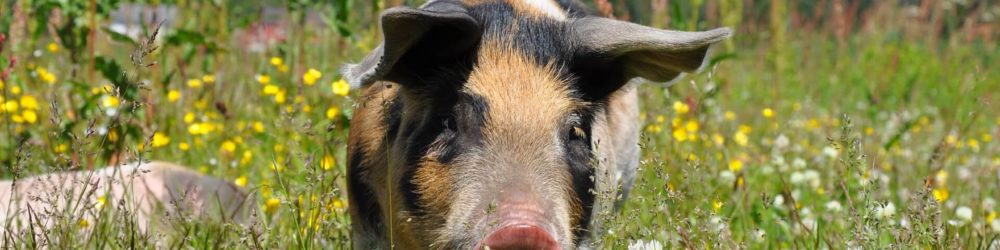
column 940, row 194
column 280, row 98
column 735, row 165
column 986, row 136
column 173, row 95
column 691, row 126
column 717, row 205
column 9, row 106
column 718, row 139
column 885, row 211
column 328, row 162
column 29, row 116
column 194, row 83
column 645, row 245
column 61, row 148
column 768, row 112
column 869, row 131
column 258, row 127
column 941, row 177
column 995, row 225
column 29, row 102
column 188, row 117
column 661, row 118
column 830, row 152
column 43, row 74
column 53, row 47
column 310, row 77
column 101, row 201
column 229, row 146
column 201, row 128
column 741, row 138
column 341, row 88
column 973, row 143
column 277, row 61
column 271, row 90
column 263, row 79
column 160, row 139
column 332, row 112
column 208, row 79
column 964, row 213
column 83, row 223
column 681, row 108
column 241, row 181
column 271, row 204
column 729, row 115
column 833, row 206
column 680, row 135
column 110, row 101
column 183, row 146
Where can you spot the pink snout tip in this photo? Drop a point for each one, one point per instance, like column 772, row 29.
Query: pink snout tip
column 518, row 237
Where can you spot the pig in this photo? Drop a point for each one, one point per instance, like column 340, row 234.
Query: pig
column 501, row 124
column 148, row 190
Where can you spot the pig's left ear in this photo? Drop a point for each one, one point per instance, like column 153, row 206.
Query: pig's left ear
column 654, row 54
column 416, row 41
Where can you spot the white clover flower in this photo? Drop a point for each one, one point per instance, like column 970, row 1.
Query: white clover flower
column 727, row 176
column 797, row 177
column 885, row 211
column 812, row 176
column 989, row 203
column 799, row 163
column 995, row 225
column 645, row 245
column 781, row 141
column 830, row 152
column 779, row 200
column 964, row 213
column 759, row 235
column 833, row 206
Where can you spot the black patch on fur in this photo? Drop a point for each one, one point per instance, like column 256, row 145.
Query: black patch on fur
column 368, row 212
column 580, row 158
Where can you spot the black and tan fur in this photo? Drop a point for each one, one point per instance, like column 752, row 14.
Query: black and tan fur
column 461, row 118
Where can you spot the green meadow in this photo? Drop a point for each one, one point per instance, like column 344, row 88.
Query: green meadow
column 820, row 124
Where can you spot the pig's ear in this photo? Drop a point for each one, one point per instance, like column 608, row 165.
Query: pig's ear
column 654, row 54
column 415, row 39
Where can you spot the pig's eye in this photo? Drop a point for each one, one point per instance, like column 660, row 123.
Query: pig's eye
column 576, row 130
column 449, row 124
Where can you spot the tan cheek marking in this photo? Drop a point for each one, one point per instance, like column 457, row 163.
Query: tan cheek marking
column 434, row 182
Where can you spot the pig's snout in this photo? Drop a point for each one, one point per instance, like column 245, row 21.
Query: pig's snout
column 518, row 237
column 520, row 227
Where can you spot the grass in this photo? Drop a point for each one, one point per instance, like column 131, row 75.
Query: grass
column 881, row 140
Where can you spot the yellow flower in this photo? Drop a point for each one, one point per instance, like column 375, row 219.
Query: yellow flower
column 110, row 101
column 691, row 126
column 15, row 90
column 973, row 143
column 741, row 138
column 29, row 102
column 270, row 90
column 241, row 181
column 280, row 97
column 229, row 146
column 194, row 83
column 332, row 112
column 160, row 139
column 680, row 135
column 17, row 118
column 53, row 47
column 681, row 108
column 283, row 68
column 263, row 79
column 101, row 201
column 209, row 79
column 83, row 223
column 341, row 88
column 45, row 75
column 29, row 115
column 173, row 95
column 61, row 148
column 869, row 131
column 729, row 115
column 991, row 216
column 1, row 84
column 768, row 112
column 735, row 165
column 184, row 146
column 201, row 128
column 717, row 205
column 338, row 204
column 310, row 77
column 271, row 205
column 258, row 127
column 9, row 106
column 247, row 157
column 328, row 162
column 718, row 139
column 941, row 178
column 277, row 61
column 940, row 194
column 188, row 117
column 987, row 137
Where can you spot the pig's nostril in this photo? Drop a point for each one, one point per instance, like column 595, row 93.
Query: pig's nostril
column 519, row 236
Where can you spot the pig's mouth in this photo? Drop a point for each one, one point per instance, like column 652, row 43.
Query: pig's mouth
column 519, row 227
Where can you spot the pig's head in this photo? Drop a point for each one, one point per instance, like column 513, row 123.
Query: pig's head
column 490, row 140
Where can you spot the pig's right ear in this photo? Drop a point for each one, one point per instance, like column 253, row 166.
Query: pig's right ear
column 416, row 40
